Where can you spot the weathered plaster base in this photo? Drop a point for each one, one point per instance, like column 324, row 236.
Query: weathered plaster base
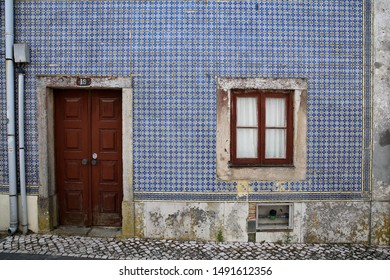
column 380, row 215
column 128, row 219
column 380, row 221
column 192, row 221
column 314, row 222
column 326, row 222
column 47, row 214
column 32, row 210
column 381, row 102
column 336, row 222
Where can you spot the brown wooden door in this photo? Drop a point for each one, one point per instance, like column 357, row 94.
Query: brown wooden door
column 88, row 137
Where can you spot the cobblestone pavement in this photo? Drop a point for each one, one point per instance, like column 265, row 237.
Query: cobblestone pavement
column 149, row 249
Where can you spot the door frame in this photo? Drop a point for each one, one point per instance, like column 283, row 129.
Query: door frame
column 47, row 193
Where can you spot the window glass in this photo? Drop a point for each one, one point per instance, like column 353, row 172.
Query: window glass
column 275, row 132
column 275, row 112
column 247, row 143
column 246, row 111
column 275, row 143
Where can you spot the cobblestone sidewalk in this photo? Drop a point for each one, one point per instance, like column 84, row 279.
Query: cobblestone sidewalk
column 135, row 248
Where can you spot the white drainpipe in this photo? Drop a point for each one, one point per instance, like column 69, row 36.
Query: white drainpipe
column 22, row 171
column 10, row 87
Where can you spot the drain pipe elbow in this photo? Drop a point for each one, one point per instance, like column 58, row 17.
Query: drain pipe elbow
column 12, row 230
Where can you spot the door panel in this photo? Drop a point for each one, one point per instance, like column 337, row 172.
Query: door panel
column 73, row 201
column 107, row 144
column 109, row 202
column 73, row 138
column 108, row 140
column 88, row 122
column 73, row 172
column 71, row 132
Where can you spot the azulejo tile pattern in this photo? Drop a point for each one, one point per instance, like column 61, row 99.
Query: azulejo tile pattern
column 176, row 49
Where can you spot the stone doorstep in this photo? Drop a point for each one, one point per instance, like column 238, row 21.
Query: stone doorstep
column 106, row 232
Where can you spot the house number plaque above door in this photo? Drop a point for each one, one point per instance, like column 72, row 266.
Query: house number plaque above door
column 83, row 81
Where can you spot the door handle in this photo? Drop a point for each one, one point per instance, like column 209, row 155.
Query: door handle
column 94, row 159
column 84, row 161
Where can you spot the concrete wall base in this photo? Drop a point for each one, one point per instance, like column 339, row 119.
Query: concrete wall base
column 191, row 220
column 314, row 222
column 32, row 210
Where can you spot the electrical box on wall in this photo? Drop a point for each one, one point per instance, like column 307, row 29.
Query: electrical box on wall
column 274, row 216
column 21, row 53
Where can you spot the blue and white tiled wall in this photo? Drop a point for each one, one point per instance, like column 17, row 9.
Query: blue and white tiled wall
column 175, row 50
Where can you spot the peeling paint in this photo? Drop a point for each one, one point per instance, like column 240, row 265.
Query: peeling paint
column 191, row 221
column 384, row 138
column 378, row 65
column 201, row 215
column 156, row 218
column 233, row 227
column 275, row 83
column 330, row 222
column 139, row 225
column 380, row 223
column 128, row 226
column 312, row 224
column 380, row 211
column 242, row 188
column 382, row 233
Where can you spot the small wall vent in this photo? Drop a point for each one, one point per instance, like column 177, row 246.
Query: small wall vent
column 274, row 216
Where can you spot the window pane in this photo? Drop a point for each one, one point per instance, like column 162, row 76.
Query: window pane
column 246, row 111
column 275, row 143
column 246, row 143
column 275, row 112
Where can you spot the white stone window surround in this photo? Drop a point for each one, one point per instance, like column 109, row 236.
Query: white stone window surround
column 46, row 85
column 297, row 172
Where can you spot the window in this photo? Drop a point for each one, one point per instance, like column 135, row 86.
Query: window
column 261, row 130
column 275, row 216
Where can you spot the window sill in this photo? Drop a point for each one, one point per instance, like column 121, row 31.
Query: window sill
column 276, row 229
column 262, row 172
column 235, row 165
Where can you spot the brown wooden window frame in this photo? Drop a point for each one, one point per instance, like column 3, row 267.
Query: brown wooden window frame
column 261, row 96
